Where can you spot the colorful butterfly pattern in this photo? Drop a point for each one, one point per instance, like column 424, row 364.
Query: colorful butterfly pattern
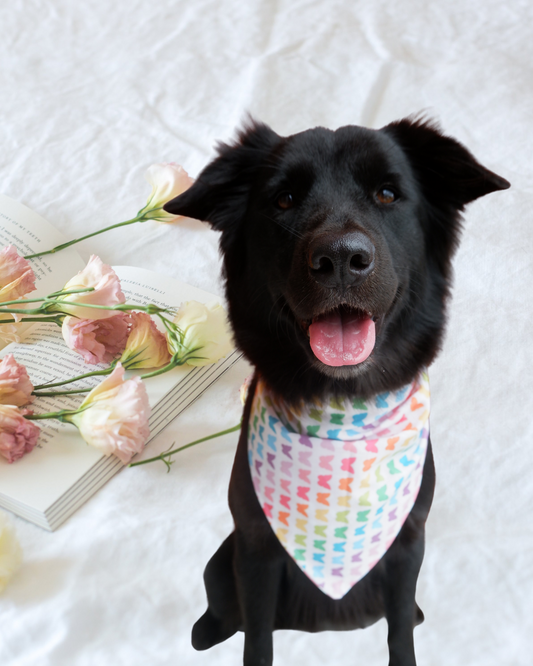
column 337, row 481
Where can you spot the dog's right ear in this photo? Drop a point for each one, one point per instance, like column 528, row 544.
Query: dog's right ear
column 448, row 173
column 220, row 193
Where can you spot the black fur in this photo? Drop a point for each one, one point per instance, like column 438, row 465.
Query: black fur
column 275, row 288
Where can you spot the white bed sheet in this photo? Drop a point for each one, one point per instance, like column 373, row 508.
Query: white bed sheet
column 90, row 95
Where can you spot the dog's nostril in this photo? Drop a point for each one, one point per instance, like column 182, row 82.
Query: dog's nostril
column 359, row 262
column 322, row 265
column 340, row 259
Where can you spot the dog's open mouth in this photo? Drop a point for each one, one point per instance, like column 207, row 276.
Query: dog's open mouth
column 342, row 336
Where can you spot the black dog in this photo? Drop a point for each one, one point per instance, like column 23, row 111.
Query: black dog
column 329, row 226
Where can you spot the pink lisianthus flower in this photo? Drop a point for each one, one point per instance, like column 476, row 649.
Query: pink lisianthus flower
column 97, row 340
column 15, row 384
column 114, row 416
column 18, row 436
column 107, row 291
column 146, row 346
column 16, row 280
column 16, row 275
column 167, row 181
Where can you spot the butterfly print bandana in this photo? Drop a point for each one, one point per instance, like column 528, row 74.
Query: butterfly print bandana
column 337, row 480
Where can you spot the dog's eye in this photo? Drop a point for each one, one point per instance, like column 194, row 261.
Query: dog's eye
column 284, row 200
column 385, row 196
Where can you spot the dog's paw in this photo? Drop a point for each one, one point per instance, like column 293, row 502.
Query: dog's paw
column 209, row 631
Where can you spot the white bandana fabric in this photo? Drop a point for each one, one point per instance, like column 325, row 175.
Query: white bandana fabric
column 337, row 481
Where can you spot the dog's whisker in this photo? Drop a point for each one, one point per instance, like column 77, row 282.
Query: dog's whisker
column 292, row 231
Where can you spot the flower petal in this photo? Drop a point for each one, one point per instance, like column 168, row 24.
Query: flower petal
column 97, row 340
column 146, row 346
column 167, row 181
column 114, row 416
column 15, row 385
column 16, row 275
column 206, row 333
column 18, row 436
column 106, row 291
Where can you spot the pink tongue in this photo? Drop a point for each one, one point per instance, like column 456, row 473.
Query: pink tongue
column 342, row 339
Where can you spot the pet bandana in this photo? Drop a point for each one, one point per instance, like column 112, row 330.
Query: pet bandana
column 337, row 480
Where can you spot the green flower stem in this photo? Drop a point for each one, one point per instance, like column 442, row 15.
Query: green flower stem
column 53, row 394
column 171, row 328
column 151, row 308
column 42, row 310
column 162, row 456
column 29, row 311
column 60, row 416
column 95, row 233
column 21, row 301
column 53, row 295
column 66, row 292
column 174, row 363
column 166, row 368
column 95, row 373
column 121, row 307
column 106, row 371
column 169, row 325
column 54, row 319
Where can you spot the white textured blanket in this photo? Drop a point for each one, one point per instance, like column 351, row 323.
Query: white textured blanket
column 94, row 92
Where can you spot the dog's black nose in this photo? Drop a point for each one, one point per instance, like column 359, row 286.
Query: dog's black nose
column 341, row 259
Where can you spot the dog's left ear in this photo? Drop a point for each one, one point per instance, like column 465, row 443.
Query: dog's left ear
column 448, row 173
column 220, row 193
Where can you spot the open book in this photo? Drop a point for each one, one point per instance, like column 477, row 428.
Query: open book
column 47, row 485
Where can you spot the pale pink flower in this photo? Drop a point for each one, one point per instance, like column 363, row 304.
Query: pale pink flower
column 16, row 275
column 16, row 280
column 97, row 340
column 15, row 384
column 103, row 279
column 167, row 181
column 114, row 416
column 18, row 436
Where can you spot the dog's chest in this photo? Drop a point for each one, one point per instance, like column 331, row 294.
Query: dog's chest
column 336, row 481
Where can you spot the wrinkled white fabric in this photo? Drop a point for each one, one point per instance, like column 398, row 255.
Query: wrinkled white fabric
column 92, row 93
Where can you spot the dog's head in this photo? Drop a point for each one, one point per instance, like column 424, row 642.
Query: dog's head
column 337, row 248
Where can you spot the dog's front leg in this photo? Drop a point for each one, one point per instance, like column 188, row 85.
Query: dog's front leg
column 401, row 568
column 401, row 610
column 258, row 573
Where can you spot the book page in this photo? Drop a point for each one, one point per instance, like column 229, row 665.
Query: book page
column 61, row 456
column 31, row 233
